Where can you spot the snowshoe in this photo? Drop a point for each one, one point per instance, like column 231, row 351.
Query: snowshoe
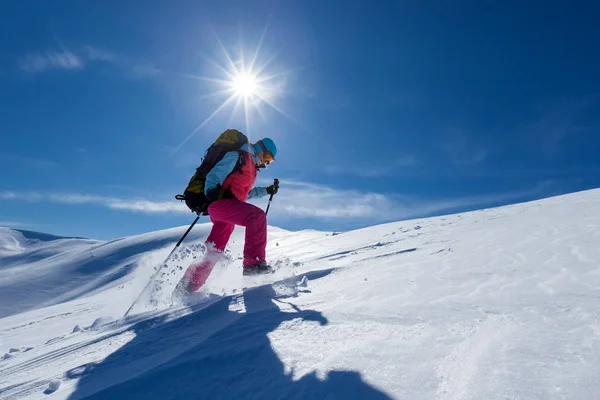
column 258, row 269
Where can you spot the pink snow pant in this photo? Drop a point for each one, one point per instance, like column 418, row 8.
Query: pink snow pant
column 225, row 214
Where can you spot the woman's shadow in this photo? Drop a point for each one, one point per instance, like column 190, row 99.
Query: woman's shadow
column 214, row 353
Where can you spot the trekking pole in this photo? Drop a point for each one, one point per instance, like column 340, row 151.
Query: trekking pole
column 162, row 266
column 276, row 183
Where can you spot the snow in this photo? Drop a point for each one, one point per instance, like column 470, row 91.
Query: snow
column 52, row 387
column 494, row 304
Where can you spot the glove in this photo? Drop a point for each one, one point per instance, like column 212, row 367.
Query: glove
column 272, row 189
column 214, row 194
column 203, row 210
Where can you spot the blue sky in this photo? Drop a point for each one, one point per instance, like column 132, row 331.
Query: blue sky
column 381, row 110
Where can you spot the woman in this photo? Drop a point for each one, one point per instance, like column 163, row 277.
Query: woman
column 228, row 186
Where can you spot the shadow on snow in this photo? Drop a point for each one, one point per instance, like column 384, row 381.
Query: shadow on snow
column 215, row 353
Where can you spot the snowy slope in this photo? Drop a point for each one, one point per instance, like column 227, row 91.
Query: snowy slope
column 39, row 270
column 495, row 304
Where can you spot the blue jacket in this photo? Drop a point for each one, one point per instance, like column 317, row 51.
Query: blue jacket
column 223, row 168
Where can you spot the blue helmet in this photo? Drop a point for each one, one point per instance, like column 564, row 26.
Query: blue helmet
column 268, row 145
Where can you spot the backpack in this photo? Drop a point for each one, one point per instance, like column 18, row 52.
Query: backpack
column 194, row 197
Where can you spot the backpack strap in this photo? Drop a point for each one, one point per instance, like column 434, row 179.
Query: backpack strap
column 240, row 162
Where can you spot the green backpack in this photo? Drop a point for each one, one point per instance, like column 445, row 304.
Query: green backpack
column 194, row 197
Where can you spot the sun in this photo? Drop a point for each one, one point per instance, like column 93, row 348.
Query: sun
column 244, row 85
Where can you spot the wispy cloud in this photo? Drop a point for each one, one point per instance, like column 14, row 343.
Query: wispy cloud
column 373, row 170
column 8, row 196
column 305, row 200
column 132, row 68
column 40, row 62
column 137, row 205
column 301, row 200
column 13, row 224
column 98, row 54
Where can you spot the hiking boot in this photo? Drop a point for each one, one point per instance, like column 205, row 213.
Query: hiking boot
column 257, row 269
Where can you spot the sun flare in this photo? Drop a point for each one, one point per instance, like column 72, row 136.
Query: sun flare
column 244, row 85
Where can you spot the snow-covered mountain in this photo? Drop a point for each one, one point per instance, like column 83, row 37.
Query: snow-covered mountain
column 500, row 303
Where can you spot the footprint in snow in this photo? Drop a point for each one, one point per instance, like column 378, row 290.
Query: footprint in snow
column 52, row 387
column 80, row 371
column 55, row 339
column 12, row 352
